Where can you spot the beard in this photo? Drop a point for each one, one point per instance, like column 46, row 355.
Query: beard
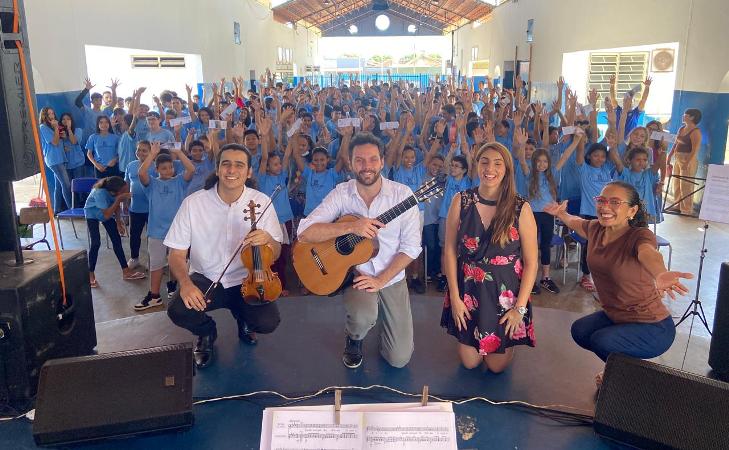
column 360, row 178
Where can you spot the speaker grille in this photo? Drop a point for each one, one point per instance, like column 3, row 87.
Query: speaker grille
column 649, row 405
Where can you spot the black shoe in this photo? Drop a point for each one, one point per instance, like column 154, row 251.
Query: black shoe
column 418, row 286
column 204, row 351
column 149, row 301
column 442, row 283
column 549, row 285
column 352, row 357
column 246, row 335
column 536, row 290
column 171, row 288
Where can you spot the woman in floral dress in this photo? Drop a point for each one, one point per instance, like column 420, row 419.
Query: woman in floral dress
column 490, row 258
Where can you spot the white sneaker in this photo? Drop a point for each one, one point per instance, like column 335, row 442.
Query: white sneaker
column 133, row 263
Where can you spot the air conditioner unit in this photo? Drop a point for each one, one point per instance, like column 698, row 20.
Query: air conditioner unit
column 380, row 5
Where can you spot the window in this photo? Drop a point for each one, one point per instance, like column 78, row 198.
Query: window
column 284, row 55
column 474, row 53
column 157, row 61
column 236, row 33
column 630, row 70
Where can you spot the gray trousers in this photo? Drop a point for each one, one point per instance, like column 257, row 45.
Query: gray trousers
column 392, row 304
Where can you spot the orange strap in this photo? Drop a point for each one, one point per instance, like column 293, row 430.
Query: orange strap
column 38, row 151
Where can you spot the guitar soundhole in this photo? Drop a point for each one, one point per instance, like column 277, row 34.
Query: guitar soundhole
column 345, row 244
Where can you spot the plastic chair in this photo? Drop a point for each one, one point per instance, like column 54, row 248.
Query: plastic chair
column 36, row 216
column 579, row 241
column 663, row 242
column 559, row 242
column 78, row 186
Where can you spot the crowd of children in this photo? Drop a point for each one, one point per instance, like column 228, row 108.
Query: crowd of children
column 148, row 159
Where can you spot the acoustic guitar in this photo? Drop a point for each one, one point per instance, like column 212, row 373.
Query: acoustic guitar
column 324, row 267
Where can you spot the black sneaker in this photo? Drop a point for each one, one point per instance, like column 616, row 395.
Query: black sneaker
column 549, row 285
column 171, row 288
column 148, row 302
column 536, row 290
column 352, row 357
column 442, row 283
column 418, row 286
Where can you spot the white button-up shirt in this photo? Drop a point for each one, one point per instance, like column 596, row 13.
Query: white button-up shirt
column 212, row 230
column 401, row 235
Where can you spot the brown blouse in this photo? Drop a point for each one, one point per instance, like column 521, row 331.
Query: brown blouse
column 683, row 143
column 626, row 289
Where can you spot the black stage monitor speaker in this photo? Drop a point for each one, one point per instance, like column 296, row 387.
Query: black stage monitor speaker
column 17, row 146
column 648, row 405
column 35, row 326
column 719, row 350
column 91, row 398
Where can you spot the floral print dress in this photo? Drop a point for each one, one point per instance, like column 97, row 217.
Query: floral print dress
column 488, row 280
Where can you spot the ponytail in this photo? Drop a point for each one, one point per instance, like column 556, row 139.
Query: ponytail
column 112, row 184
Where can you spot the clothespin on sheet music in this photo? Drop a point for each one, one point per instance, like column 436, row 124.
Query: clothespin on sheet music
column 337, row 405
column 424, row 398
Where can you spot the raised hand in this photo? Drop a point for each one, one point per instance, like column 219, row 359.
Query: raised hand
column 647, row 82
column 627, row 103
column 87, row 84
column 114, row 84
column 592, row 98
column 188, row 88
column 560, row 83
column 489, row 135
column 154, row 149
column 440, row 127
column 555, row 208
column 264, row 125
column 238, row 130
column 521, row 136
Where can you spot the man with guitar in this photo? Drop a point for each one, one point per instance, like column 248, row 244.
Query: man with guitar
column 379, row 282
column 211, row 223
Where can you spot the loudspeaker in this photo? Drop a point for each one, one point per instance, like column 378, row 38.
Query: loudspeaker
column 34, row 324
column 648, row 405
column 17, row 146
column 719, row 349
column 91, row 398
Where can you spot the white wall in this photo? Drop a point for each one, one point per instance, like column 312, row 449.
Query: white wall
column 58, row 31
column 564, row 26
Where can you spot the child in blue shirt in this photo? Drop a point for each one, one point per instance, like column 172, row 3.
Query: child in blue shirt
column 101, row 206
column 203, row 159
column 640, row 176
column 271, row 174
column 541, row 180
column 319, row 180
column 139, row 206
column 101, row 148
column 594, row 175
column 165, row 194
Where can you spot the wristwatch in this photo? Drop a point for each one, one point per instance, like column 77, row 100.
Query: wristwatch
column 522, row 310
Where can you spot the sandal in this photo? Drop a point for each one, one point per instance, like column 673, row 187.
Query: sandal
column 94, row 284
column 586, row 283
column 135, row 276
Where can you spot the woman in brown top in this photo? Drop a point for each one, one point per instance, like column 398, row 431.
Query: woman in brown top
column 686, row 151
column 629, row 275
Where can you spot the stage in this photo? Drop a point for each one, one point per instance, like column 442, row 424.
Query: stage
column 304, row 355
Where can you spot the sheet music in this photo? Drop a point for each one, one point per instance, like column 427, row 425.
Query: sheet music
column 716, row 193
column 366, row 426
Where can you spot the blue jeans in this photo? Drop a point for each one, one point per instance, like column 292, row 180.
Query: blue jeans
column 62, row 189
column 597, row 333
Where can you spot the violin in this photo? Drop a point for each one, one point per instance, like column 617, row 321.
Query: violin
column 262, row 284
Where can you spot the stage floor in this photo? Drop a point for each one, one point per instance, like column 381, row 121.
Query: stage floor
column 304, row 355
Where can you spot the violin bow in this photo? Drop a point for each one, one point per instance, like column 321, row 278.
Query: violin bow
column 216, row 283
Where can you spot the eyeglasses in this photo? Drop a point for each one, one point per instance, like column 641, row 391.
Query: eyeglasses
column 613, row 202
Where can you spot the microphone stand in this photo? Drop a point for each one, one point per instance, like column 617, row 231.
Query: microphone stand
column 216, row 283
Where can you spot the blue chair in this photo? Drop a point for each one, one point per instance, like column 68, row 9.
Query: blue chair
column 78, row 186
column 559, row 242
column 663, row 242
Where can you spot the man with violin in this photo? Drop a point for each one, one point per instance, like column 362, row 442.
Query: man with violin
column 379, row 284
column 212, row 224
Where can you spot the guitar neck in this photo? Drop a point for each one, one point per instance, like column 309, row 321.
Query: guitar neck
column 389, row 215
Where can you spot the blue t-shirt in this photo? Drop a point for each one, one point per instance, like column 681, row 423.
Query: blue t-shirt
column 89, row 120
column 592, row 180
column 140, row 202
column 165, row 198
column 411, row 178
column 160, row 135
column 103, row 147
column 318, row 185
column 452, row 187
column 126, row 150
column 569, row 180
column 96, row 202
column 267, row 184
column 75, row 155
column 545, row 196
column 645, row 183
column 521, row 180
column 53, row 154
column 202, row 170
